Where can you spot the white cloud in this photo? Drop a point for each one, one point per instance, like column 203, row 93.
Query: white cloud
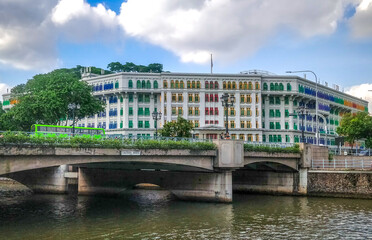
column 79, row 21
column 228, row 28
column 4, row 88
column 29, row 31
column 361, row 91
column 361, row 22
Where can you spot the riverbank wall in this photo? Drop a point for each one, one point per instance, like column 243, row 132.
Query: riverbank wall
column 340, row 183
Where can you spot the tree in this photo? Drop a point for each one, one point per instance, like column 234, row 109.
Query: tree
column 131, row 67
column 45, row 100
column 354, row 127
column 180, row 128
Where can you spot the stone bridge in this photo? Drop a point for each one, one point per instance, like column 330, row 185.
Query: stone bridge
column 209, row 175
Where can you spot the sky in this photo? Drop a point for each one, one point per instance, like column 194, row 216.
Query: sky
column 333, row 38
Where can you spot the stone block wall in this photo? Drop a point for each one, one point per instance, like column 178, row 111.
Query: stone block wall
column 340, row 183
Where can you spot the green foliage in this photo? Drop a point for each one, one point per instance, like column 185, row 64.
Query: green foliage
column 22, row 139
column 254, row 148
column 355, row 127
column 131, row 67
column 45, row 100
column 180, row 128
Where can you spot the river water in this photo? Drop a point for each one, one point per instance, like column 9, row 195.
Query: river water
column 152, row 215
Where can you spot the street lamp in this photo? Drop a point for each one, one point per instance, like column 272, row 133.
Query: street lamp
column 227, row 101
column 156, row 116
column 302, row 111
column 73, row 107
column 316, row 100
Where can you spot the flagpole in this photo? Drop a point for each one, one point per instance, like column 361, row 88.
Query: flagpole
column 211, row 64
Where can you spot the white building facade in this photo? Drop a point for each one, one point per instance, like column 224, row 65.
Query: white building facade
column 261, row 111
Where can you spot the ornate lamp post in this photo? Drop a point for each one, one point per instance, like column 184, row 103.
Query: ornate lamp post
column 302, row 111
column 73, row 107
column 156, row 116
column 316, row 101
column 227, row 101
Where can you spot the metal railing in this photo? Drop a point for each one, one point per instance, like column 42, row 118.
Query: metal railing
column 349, row 151
column 354, row 163
column 270, row 144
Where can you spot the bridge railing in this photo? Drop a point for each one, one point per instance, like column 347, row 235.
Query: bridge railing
column 271, row 144
column 354, row 163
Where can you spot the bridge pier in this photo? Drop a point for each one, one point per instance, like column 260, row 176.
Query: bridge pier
column 191, row 186
column 44, row 180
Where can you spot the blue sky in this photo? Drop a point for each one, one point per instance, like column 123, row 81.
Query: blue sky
column 332, row 38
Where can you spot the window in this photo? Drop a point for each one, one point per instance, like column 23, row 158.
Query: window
column 257, row 86
column 130, row 125
column 174, row 111
column 130, row 84
column 257, row 113
column 182, row 85
column 147, row 124
column 138, row 84
column 143, row 84
column 242, row 124
column 294, row 102
column 196, row 123
column 249, row 124
column 249, row 137
column 249, row 98
column 165, row 97
column 211, row 98
column 156, row 84
column 196, row 111
column 140, row 111
column 190, row 110
column 286, row 100
column 271, row 100
column 206, row 85
column 241, row 136
column 216, row 97
column 216, row 86
column 272, row 126
column 234, row 85
column 257, row 98
column 193, row 84
column 232, row 111
column 180, row 97
column 207, row 97
column 140, row 124
column 224, row 85
column 211, row 111
column 172, row 84
column 242, row 98
column 147, row 98
column 232, row 124
column 188, row 84
column 177, row 84
column 249, row 113
column 242, row 111
column 148, row 84
column 180, row 111
column 197, row 98
column 289, row 87
column 240, row 85
column 281, row 87
column 272, row 87
column 174, row 97
column 277, row 125
column 265, row 86
column 277, row 113
column 286, row 113
column 250, row 86
column 165, row 84
column 121, row 112
column 198, row 84
column 286, row 125
column 287, row 138
column 190, row 97
column 140, row 98
column 277, row 100
column 147, row 111
column 206, row 111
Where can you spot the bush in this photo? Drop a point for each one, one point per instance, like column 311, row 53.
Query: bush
column 85, row 142
column 253, row 148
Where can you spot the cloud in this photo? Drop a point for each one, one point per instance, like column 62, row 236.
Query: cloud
column 361, row 91
column 361, row 22
column 80, row 22
column 29, row 32
column 26, row 39
column 3, row 89
column 230, row 29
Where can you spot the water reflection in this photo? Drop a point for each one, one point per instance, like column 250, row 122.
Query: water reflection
column 154, row 215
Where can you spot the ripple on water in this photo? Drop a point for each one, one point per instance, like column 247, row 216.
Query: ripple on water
column 154, row 215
